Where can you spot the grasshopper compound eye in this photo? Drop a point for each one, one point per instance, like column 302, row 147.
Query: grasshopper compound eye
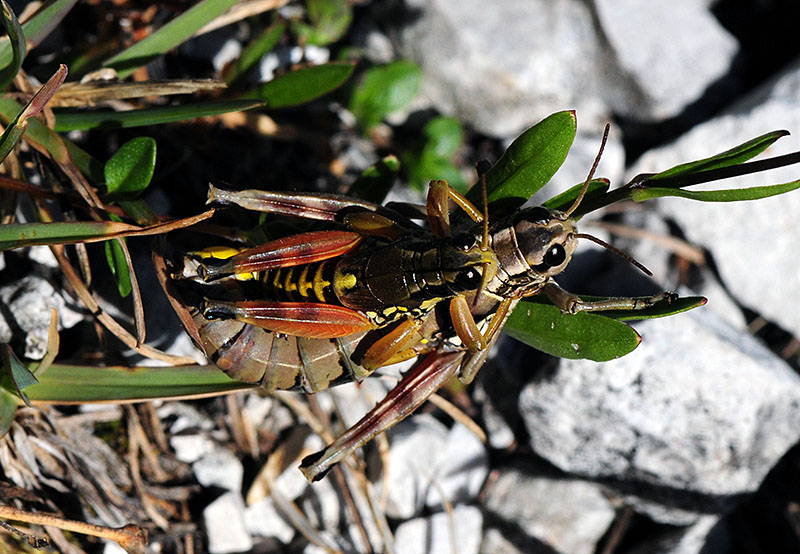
column 465, row 242
column 555, row 256
column 468, row 279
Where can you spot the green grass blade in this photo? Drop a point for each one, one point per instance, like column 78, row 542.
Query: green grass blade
column 72, row 120
column 255, row 50
column 725, row 195
column 17, row 126
column 303, row 85
column 38, row 27
column 734, row 156
column 168, row 37
column 16, row 372
column 574, row 336
column 18, row 235
column 8, row 409
column 530, row 161
column 17, row 43
column 76, row 384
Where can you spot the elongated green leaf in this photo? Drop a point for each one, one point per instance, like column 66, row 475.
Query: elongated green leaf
column 73, row 120
column 564, row 201
column 75, row 384
column 303, row 85
column 17, row 43
column 131, row 168
column 168, row 37
column 734, row 156
column 38, row 26
column 255, row 50
column 530, row 161
column 376, row 181
column 18, row 235
column 574, row 336
column 725, row 195
column 119, row 267
column 383, row 90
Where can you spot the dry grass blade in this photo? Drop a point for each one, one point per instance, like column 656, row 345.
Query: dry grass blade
column 672, row 244
column 458, row 415
column 106, row 320
column 130, row 537
column 95, row 92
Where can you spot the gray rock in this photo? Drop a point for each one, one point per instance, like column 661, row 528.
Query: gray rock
column 568, row 515
column 503, row 69
column 415, row 447
column 754, row 244
column 29, row 301
column 703, row 536
column 190, row 448
column 428, row 462
column 698, row 407
column 219, row 468
column 225, row 526
column 658, row 44
column 436, row 533
column 461, row 469
column 263, row 520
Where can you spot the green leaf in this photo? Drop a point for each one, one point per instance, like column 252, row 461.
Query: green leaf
column 74, row 120
column 17, row 43
column 330, row 19
column 564, row 201
column 255, row 50
column 8, row 409
column 734, row 156
column 130, row 169
column 15, row 373
column 725, row 195
column 38, row 27
column 168, row 37
column 64, row 383
column 119, row 267
column 376, row 181
column 383, row 90
column 303, row 85
column 530, row 161
column 432, row 157
column 574, row 336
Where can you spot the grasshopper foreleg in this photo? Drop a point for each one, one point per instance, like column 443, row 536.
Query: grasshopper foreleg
column 572, row 303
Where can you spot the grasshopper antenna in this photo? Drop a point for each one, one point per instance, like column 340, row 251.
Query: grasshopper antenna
column 585, row 187
column 616, row 251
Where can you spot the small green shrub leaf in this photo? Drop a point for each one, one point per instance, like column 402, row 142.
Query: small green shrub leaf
column 574, row 336
column 303, row 85
column 376, row 181
column 383, row 90
column 329, row 19
column 530, row 161
column 130, row 169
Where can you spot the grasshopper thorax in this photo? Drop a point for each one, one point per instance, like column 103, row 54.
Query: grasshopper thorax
column 532, row 245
